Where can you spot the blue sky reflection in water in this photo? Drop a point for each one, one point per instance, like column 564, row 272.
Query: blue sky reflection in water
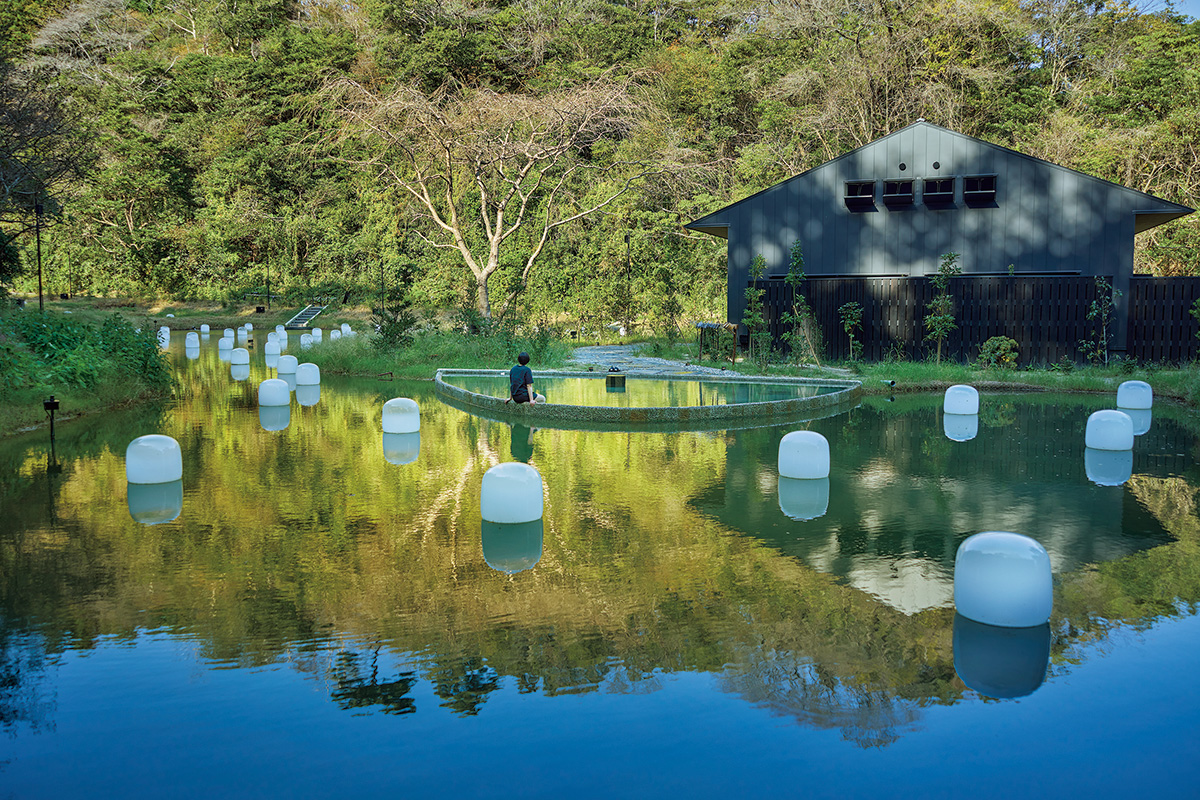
column 319, row 622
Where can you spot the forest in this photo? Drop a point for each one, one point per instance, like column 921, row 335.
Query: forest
column 526, row 159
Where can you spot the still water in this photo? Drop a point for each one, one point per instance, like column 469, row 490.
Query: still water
column 620, row 391
column 322, row 622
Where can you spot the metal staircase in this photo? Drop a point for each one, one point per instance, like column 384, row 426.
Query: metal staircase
column 306, row 316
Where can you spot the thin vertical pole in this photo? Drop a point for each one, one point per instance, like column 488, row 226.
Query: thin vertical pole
column 37, row 226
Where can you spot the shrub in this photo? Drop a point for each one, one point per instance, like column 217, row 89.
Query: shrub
column 998, row 352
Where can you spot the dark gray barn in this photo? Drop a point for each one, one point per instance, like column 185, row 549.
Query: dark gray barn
column 894, row 206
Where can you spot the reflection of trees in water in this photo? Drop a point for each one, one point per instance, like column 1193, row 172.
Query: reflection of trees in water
column 795, row 687
column 24, row 698
column 357, row 684
column 464, row 683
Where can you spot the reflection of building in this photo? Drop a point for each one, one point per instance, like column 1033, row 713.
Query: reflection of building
column 902, row 498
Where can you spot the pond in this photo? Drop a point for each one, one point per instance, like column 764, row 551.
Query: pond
column 321, row 621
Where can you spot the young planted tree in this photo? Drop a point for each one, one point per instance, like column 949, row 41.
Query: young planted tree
column 802, row 336
column 494, row 174
column 754, row 317
column 851, row 315
column 940, row 322
column 1102, row 311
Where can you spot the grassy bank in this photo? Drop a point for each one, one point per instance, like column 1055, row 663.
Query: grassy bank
column 88, row 365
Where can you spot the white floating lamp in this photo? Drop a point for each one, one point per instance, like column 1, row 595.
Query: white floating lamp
column 306, row 341
column 803, row 499
column 274, row 392
column 514, row 547
column 961, row 399
column 192, row 339
column 1001, row 662
column 154, row 503
column 1108, row 467
column 274, row 418
column 204, row 329
column 280, row 329
column 287, row 365
column 153, row 458
column 271, row 349
column 308, row 395
column 401, row 415
column 804, row 455
column 316, row 334
column 225, row 343
column 1135, row 394
column 401, row 448
column 511, row 493
column 960, row 427
column 240, row 355
column 308, row 374
column 335, row 335
column 249, row 326
column 273, row 338
column 229, row 333
column 345, row 328
column 1109, row 430
column 1003, row 579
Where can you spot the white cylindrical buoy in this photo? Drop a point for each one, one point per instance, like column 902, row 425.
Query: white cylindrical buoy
column 239, row 372
column 154, row 503
column 229, row 333
column 1003, row 579
column 1141, row 418
column 192, row 339
column 960, row 427
column 401, row 448
column 274, row 392
column 288, row 364
column 249, row 326
column 335, row 335
column 240, row 355
column 1108, row 467
column 1000, row 662
column 803, row 499
column 271, row 349
column 308, row 395
column 153, row 458
column 204, row 328
column 804, row 455
column 306, row 341
column 274, row 418
column 243, row 335
column 511, row 493
column 316, row 334
column 401, row 415
column 273, row 338
column 283, row 341
column 164, row 338
column 512, row 548
column 225, row 343
column 1109, row 430
column 280, row 329
column 345, row 328
column 1135, row 394
column 961, row 399
column 308, row 374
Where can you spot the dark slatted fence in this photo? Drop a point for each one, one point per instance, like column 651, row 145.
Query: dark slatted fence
column 1045, row 315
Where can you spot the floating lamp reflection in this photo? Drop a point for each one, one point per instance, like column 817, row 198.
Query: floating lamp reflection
column 511, row 493
column 1135, row 394
column 316, row 334
column 1000, row 662
column 960, row 427
column 274, row 392
column 153, row 458
column 308, row 374
column 155, row 503
column 1141, row 418
column 192, row 352
column 803, row 499
column 804, row 455
column 308, row 395
column 290, row 377
column 192, row 339
column 401, row 415
column 239, row 372
column 224, row 355
column 512, row 547
column 1003, row 579
column 240, row 355
column 1109, row 430
column 274, row 418
column 1108, row 467
column 961, row 399
column 401, row 448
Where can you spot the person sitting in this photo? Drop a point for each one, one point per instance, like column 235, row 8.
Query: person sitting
column 520, row 381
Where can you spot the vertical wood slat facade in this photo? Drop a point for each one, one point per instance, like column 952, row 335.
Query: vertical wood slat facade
column 1045, row 315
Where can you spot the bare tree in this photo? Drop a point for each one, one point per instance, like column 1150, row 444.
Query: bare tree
column 484, row 167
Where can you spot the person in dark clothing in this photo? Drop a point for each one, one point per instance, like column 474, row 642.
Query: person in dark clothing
column 520, row 382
